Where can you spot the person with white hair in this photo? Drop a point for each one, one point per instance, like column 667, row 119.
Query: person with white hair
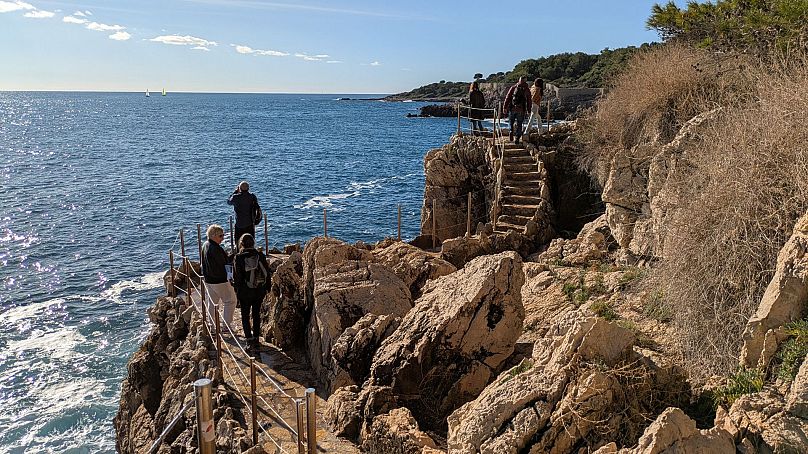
column 214, row 271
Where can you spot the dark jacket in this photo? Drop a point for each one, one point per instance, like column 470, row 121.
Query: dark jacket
column 476, row 101
column 240, row 274
column 214, row 258
column 509, row 105
column 243, row 204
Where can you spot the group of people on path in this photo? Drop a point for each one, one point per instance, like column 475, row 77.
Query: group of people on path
column 249, row 278
column 519, row 100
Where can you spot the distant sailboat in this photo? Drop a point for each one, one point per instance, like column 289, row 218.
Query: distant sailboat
column 164, row 92
column 147, row 93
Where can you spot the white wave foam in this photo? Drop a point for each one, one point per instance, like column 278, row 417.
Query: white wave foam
column 147, row 282
column 321, row 201
column 19, row 314
column 57, row 344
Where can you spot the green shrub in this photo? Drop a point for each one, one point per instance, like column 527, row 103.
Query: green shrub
column 605, row 309
column 654, row 307
column 631, row 274
column 792, row 352
column 743, row 381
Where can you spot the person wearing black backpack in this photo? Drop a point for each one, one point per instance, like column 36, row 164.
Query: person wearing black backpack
column 252, row 280
column 517, row 104
column 248, row 212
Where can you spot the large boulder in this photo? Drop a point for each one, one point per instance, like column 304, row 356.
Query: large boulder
column 352, row 353
column 762, row 420
column 785, row 300
column 462, row 329
column 395, row 432
column 413, row 265
column 344, row 292
column 674, row 432
column 284, row 317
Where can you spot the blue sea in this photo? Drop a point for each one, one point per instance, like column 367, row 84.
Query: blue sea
column 94, row 188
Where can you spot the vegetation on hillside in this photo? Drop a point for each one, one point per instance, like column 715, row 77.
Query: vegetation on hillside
column 735, row 25
column 738, row 185
column 565, row 70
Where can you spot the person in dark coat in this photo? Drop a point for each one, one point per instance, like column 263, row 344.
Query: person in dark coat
column 250, row 260
column 517, row 104
column 476, row 106
column 244, row 205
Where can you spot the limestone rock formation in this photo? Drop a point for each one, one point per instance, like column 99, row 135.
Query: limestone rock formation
column 396, row 431
column 353, row 350
column 346, row 285
column 674, row 432
column 785, row 300
column 567, row 396
column 450, row 345
column 414, row 266
column 159, row 383
column 284, row 312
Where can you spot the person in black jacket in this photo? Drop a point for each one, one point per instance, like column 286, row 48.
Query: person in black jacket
column 245, row 205
column 476, row 106
column 214, row 262
column 252, row 280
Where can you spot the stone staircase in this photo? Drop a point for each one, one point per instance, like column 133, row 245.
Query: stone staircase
column 521, row 189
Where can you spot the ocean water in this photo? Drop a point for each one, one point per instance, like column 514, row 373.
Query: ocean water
column 93, row 188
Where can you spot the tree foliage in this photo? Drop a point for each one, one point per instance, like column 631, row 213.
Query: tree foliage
column 740, row 25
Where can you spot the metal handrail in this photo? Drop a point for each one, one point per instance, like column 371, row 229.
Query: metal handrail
column 159, row 440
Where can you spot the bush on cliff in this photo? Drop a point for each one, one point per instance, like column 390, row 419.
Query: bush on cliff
column 739, row 187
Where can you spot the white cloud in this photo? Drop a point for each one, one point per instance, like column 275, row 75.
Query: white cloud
column 375, row 63
column 322, row 56
column 88, row 13
column 334, row 61
column 7, row 7
column 319, row 57
column 120, row 36
column 201, row 48
column 250, row 50
column 73, row 20
column 79, row 14
column 104, row 27
column 187, row 40
column 39, row 14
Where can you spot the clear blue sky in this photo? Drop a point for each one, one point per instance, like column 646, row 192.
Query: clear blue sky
column 307, row 46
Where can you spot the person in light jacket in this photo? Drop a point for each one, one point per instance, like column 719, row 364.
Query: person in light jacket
column 536, row 93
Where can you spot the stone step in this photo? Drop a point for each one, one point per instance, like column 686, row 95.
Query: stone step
column 516, row 199
column 523, row 176
column 512, row 167
column 519, row 160
column 513, row 219
column 521, row 190
column 521, row 210
column 504, row 227
column 513, row 183
column 515, row 152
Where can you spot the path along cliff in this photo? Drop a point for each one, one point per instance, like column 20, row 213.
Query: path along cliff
column 524, row 333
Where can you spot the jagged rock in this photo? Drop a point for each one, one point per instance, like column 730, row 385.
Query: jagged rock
column 447, row 348
column 395, row 432
column 559, row 401
column 761, row 419
column 414, row 266
column 309, row 254
column 180, row 280
column 283, row 318
column 345, row 291
column 784, row 300
column 459, row 251
column 353, row 351
column 797, row 399
column 674, row 432
column 621, row 222
column 343, row 414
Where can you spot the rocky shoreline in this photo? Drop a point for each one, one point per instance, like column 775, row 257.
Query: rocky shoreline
column 494, row 342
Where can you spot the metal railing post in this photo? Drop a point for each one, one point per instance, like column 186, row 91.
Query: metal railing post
column 219, row 356
column 325, row 224
column 468, row 217
column 457, row 106
column 232, row 244
column 189, row 285
column 173, row 290
column 204, row 304
column 206, row 430
column 311, row 420
column 182, row 242
column 266, row 234
column 299, row 411
column 434, row 237
column 399, row 222
column 254, row 402
column 199, row 240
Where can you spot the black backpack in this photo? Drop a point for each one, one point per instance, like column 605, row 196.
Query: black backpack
column 256, row 272
column 519, row 96
column 257, row 214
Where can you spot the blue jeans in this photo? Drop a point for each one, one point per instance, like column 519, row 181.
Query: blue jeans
column 519, row 117
column 476, row 126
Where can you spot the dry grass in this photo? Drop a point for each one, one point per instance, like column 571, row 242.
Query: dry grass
column 648, row 103
column 740, row 185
